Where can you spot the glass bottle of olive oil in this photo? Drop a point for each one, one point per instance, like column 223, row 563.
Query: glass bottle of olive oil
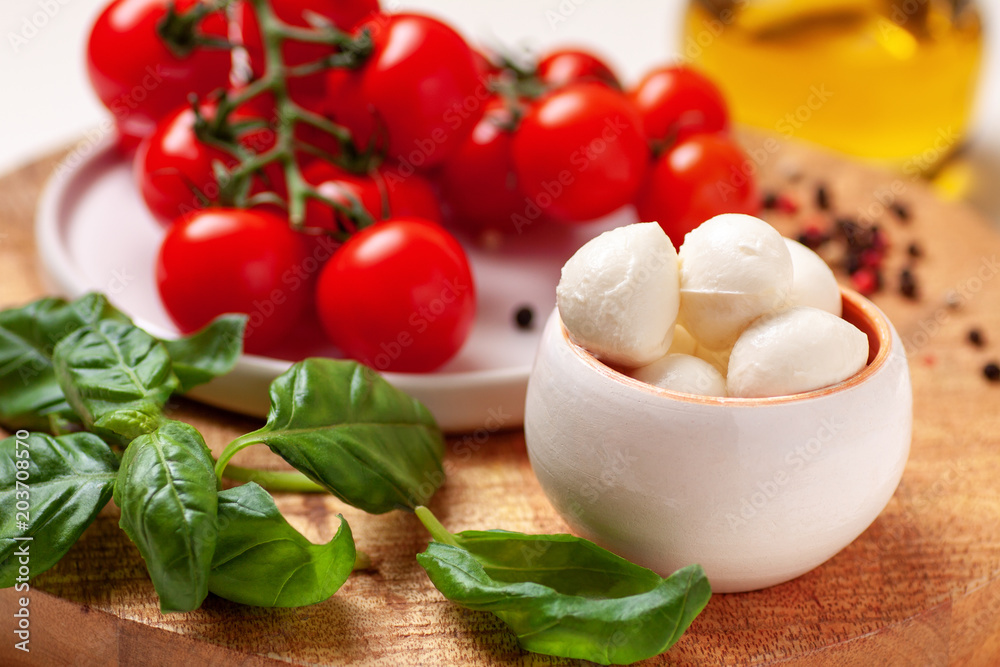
column 888, row 80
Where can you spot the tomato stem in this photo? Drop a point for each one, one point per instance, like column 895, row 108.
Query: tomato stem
column 221, row 132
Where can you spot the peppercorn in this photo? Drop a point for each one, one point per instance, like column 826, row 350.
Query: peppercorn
column 822, row 198
column 769, row 201
column 866, row 280
column 914, row 250
column 523, row 317
column 901, row 212
column 992, row 372
column 907, row 284
column 976, row 337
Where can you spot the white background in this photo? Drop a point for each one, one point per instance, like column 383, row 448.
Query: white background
column 47, row 102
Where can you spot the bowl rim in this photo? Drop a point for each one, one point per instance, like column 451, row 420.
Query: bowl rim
column 856, row 309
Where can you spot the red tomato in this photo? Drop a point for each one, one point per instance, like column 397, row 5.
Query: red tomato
column 697, row 179
column 174, row 169
column 398, row 296
column 410, row 196
column 137, row 76
column 235, row 261
column 479, row 183
column 344, row 14
column 580, row 152
column 678, row 102
column 421, row 87
column 565, row 66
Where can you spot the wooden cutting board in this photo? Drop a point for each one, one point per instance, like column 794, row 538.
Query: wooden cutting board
column 920, row 587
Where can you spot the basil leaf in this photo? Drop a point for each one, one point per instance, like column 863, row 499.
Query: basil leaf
column 261, row 560
column 29, row 391
column 168, row 496
column 209, row 353
column 116, row 377
column 347, row 429
column 565, row 596
column 54, row 485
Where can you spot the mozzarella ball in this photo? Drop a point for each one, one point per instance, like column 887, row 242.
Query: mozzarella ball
column 618, row 296
column 813, row 282
column 684, row 373
column 793, row 351
column 734, row 268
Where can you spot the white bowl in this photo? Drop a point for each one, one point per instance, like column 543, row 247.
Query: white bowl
column 758, row 491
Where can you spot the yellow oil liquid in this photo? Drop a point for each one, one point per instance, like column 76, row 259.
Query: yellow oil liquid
column 892, row 82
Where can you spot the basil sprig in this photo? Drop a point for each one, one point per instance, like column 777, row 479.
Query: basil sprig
column 55, row 487
column 261, row 560
column 564, row 595
column 347, row 429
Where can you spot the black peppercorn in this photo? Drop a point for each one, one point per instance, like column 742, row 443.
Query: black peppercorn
column 992, row 372
column 822, row 198
column 523, row 317
column 976, row 337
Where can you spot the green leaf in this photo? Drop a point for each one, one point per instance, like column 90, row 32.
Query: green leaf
column 209, row 353
column 168, row 496
column 29, row 392
column 60, row 484
column 347, row 429
column 261, row 560
column 116, row 377
column 565, row 596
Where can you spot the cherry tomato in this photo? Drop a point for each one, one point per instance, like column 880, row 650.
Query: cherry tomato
column 580, row 152
column 137, row 76
column 420, row 86
column 410, row 196
column 234, row 261
column 398, row 296
column 566, row 66
column 479, row 183
column 174, row 169
column 699, row 178
column 344, row 14
column 678, row 102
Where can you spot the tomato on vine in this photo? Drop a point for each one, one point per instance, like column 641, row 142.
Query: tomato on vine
column 580, row 152
column 219, row 261
column 565, row 66
column 420, row 87
column 678, row 102
column 412, row 196
column 138, row 76
column 478, row 181
column 174, row 168
column 699, row 178
column 398, row 296
column 310, row 90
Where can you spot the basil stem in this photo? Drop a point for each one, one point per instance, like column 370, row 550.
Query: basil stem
column 168, row 496
column 30, row 397
column 563, row 595
column 350, row 431
column 261, row 560
column 51, row 489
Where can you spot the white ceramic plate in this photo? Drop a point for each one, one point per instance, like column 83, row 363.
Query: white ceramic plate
column 94, row 234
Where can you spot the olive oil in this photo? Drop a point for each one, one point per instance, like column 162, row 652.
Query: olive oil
column 891, row 81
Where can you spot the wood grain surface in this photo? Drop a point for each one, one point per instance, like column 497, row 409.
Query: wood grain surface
column 920, row 587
